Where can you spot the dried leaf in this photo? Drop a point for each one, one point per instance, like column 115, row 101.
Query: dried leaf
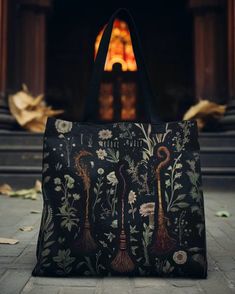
column 5, row 189
column 184, row 284
column 32, row 196
column 25, row 193
column 205, row 111
column 20, row 193
column 26, row 228
column 8, row 241
column 222, row 213
column 35, row 211
column 38, row 186
column 30, row 112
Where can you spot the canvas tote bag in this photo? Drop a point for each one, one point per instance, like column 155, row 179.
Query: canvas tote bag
column 121, row 198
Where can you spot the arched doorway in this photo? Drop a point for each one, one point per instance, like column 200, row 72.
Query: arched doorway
column 118, row 91
column 166, row 33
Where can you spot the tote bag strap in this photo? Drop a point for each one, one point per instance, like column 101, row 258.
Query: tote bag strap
column 90, row 111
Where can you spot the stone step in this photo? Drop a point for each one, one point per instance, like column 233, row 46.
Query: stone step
column 19, row 180
column 20, row 138
column 32, row 156
column 217, row 139
column 218, row 183
column 217, row 157
column 20, row 169
column 21, row 158
column 18, row 157
column 30, row 139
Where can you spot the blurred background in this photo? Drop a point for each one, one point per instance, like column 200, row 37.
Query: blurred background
column 50, row 46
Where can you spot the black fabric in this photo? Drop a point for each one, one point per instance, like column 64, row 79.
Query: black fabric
column 90, row 111
column 147, row 174
column 121, row 198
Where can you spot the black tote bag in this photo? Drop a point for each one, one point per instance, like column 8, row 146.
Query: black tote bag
column 121, row 198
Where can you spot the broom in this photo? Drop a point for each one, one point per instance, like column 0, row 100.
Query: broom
column 163, row 243
column 122, row 262
column 86, row 242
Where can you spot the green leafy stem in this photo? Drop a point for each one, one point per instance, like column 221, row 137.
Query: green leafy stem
column 174, row 204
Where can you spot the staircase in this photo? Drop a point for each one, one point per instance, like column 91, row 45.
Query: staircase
column 218, row 160
column 21, row 157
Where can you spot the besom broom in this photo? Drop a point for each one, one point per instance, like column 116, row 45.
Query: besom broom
column 122, row 262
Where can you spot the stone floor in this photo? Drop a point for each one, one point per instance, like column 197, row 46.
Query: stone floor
column 17, row 261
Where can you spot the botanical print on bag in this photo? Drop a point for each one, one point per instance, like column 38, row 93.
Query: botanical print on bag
column 67, row 211
column 86, row 242
column 163, row 243
column 46, row 240
column 122, row 262
column 122, row 198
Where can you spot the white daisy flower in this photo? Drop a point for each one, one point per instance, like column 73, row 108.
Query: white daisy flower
column 105, row 134
column 63, row 126
column 101, row 153
column 131, row 197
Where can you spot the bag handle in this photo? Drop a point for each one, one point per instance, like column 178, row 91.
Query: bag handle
column 90, row 102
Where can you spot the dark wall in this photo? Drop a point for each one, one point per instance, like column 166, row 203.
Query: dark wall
column 166, row 34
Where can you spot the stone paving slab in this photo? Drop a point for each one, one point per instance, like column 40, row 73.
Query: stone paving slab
column 17, row 261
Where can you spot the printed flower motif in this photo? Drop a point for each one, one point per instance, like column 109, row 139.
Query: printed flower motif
column 58, row 188
column 110, row 236
column 131, row 201
column 64, row 258
column 76, row 196
column 180, row 257
column 103, row 244
column 112, row 179
column 131, row 197
column 63, row 126
column 101, row 153
column 147, row 209
column 100, row 171
column 57, row 181
column 70, row 181
column 179, row 165
column 105, row 134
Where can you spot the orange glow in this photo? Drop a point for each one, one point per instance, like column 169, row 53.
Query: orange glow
column 120, row 47
column 128, row 101
column 106, row 111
